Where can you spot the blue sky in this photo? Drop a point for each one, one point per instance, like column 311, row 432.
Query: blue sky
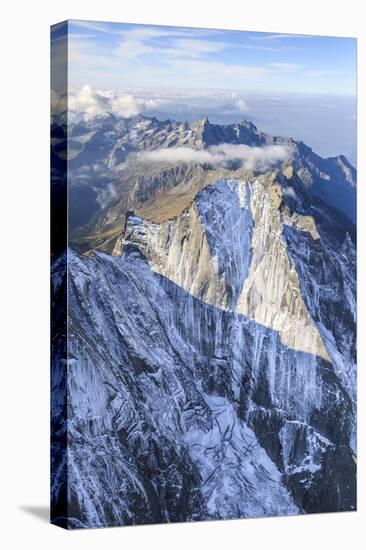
column 290, row 85
column 124, row 56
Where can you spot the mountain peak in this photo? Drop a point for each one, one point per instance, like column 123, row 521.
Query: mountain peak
column 202, row 122
column 248, row 123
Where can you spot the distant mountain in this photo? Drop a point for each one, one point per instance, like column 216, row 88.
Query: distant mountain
column 103, row 186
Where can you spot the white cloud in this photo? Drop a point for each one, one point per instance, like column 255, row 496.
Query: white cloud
column 104, row 196
column 87, row 102
column 266, row 48
column 124, row 105
column 285, row 66
column 176, row 154
column 91, row 25
column 252, row 158
column 184, row 60
column 90, row 103
column 242, row 106
column 185, row 47
column 279, row 36
column 136, row 43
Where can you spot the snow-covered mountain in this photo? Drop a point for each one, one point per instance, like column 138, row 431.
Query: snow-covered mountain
column 209, row 370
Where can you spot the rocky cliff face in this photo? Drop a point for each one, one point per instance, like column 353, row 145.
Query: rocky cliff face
column 211, row 363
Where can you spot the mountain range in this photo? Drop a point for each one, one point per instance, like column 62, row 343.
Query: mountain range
column 105, row 180
column 204, row 324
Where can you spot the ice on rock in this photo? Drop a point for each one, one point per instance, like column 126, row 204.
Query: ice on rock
column 238, row 477
column 211, row 364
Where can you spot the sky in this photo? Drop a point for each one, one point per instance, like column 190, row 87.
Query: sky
column 301, row 86
column 122, row 55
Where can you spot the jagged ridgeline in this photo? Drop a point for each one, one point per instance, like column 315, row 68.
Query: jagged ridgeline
column 207, row 365
column 116, row 165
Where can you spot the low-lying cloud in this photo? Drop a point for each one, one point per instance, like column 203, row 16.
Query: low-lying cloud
column 87, row 103
column 91, row 103
column 241, row 105
column 251, row 158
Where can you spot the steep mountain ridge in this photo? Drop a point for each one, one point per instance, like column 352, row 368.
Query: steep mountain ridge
column 227, row 249
column 211, row 362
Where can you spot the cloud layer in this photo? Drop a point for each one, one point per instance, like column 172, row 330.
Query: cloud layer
column 87, row 103
column 251, row 158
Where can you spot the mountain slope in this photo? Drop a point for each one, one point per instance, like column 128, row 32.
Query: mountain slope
column 211, row 364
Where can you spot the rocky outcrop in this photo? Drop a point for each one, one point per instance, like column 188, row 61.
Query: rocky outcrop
column 227, row 249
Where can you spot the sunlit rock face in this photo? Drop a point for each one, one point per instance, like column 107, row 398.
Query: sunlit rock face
column 211, row 364
column 227, row 249
column 206, row 249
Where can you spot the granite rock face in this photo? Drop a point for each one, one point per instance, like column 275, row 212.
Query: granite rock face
column 211, row 364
